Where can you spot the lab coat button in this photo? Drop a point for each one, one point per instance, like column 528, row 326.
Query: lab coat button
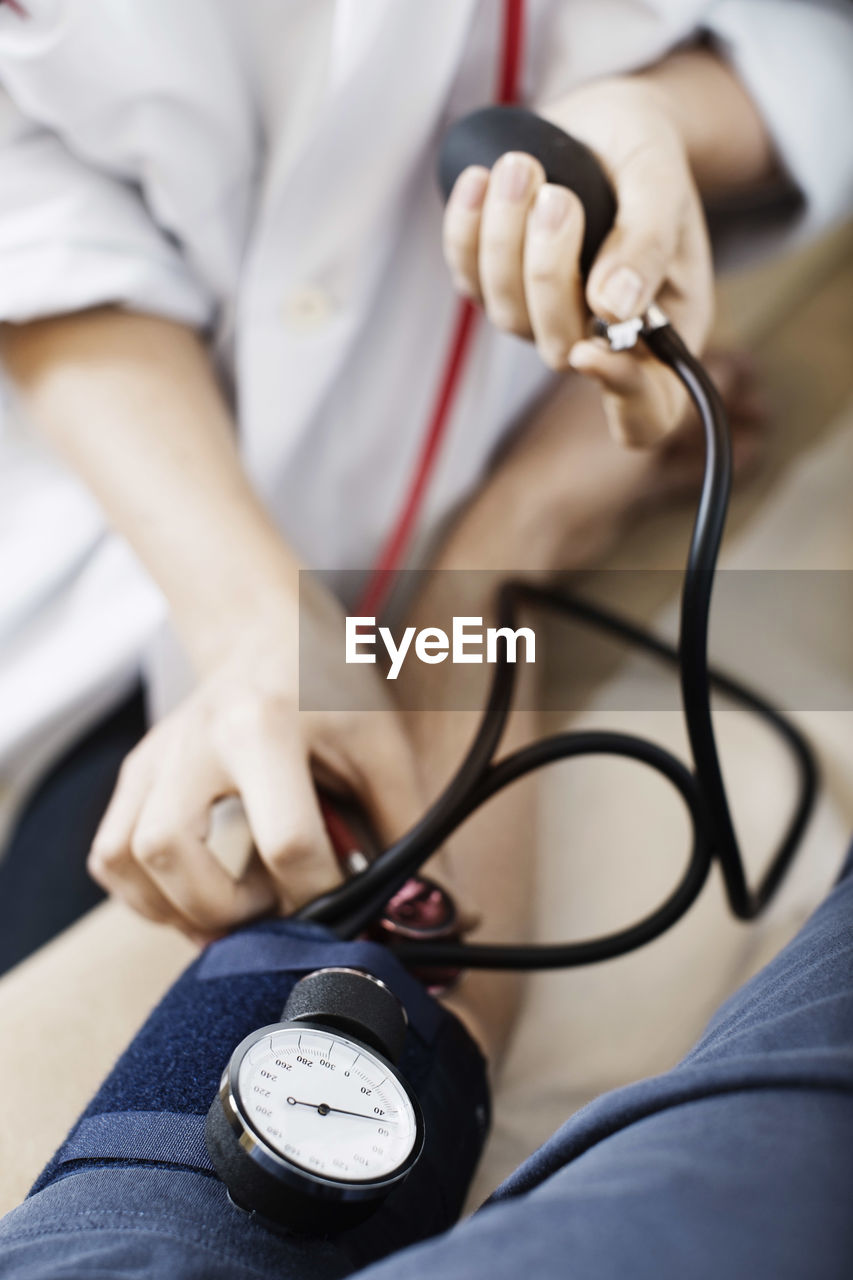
column 307, row 308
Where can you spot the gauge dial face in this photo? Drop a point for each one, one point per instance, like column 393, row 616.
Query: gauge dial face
column 327, row 1105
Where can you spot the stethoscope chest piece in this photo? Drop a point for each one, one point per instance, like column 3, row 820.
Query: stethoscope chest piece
column 313, row 1125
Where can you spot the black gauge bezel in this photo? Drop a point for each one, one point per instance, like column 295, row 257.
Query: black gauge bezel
column 286, row 1171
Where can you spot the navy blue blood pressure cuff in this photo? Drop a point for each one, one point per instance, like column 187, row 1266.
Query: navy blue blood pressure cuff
column 150, row 1110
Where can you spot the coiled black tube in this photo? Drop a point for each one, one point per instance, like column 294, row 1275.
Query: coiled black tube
column 350, row 908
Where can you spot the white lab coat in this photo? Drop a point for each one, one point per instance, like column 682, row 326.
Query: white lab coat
column 264, row 170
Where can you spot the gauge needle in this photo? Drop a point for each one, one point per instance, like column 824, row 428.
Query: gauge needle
column 323, row 1108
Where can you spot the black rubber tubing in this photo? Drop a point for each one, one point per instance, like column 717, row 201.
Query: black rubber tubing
column 479, row 139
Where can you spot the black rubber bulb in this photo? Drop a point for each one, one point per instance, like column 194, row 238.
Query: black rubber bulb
column 483, row 136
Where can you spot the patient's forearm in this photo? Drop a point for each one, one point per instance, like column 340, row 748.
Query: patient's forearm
column 132, row 403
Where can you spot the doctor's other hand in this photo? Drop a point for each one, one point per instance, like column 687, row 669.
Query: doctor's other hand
column 241, row 733
column 512, row 242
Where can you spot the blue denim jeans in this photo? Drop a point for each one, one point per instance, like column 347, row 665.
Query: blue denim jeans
column 737, row 1163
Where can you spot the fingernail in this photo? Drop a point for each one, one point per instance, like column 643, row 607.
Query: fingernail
column 582, row 353
column 551, row 209
column 512, row 178
column 471, row 188
column 621, row 292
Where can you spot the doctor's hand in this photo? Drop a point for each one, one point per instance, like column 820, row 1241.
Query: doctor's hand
column 133, row 404
column 512, row 242
column 241, row 733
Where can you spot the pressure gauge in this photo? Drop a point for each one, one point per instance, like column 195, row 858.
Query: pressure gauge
column 313, row 1125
